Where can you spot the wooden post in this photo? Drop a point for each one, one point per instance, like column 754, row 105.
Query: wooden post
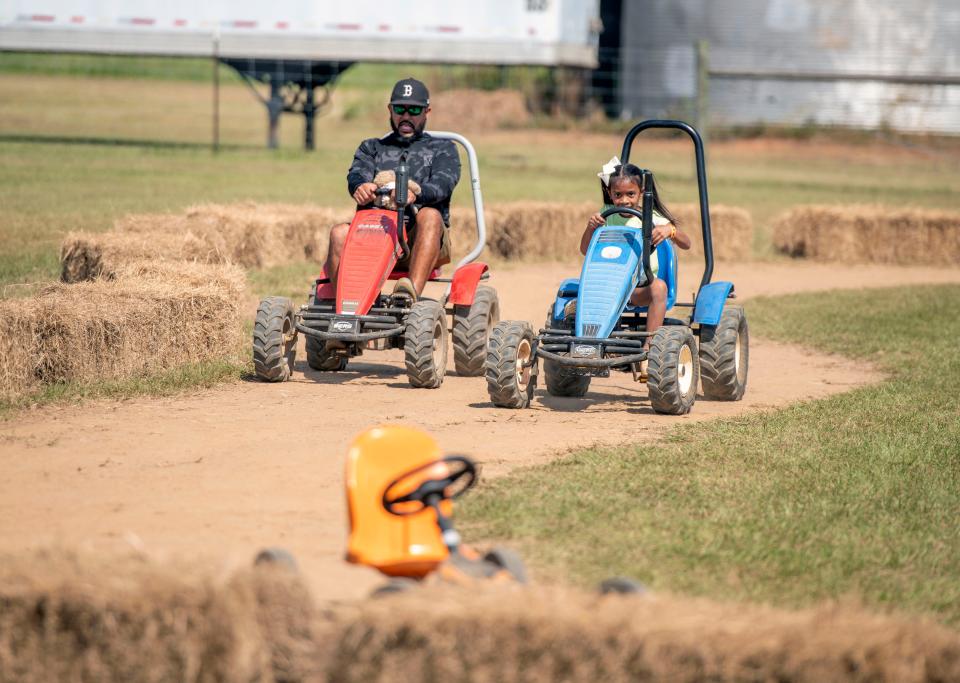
column 216, row 91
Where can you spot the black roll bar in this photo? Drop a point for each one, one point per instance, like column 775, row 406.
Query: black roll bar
column 701, row 181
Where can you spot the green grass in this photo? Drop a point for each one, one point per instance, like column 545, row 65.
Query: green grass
column 858, row 494
column 194, row 376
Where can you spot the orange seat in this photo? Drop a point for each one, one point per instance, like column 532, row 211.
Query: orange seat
column 397, row 546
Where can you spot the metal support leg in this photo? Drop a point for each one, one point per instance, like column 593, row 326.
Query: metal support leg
column 274, row 109
column 309, row 112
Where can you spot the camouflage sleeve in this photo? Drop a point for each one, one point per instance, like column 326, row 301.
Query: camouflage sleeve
column 444, row 176
column 363, row 167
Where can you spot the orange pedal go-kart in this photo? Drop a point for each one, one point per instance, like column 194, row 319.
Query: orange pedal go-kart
column 341, row 323
column 400, row 489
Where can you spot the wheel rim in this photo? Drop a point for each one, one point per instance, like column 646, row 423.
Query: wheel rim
column 438, row 344
column 521, row 367
column 685, row 369
column 736, row 354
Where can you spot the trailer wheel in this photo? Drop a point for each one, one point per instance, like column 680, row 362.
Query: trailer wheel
column 425, row 345
column 319, row 358
column 510, row 382
column 471, row 328
column 725, row 356
column 673, row 369
column 274, row 340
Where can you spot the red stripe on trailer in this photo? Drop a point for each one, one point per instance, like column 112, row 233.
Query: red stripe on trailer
column 244, row 23
column 179, row 22
column 531, row 31
column 283, row 24
column 347, row 27
column 143, row 21
column 448, row 29
column 383, row 27
column 76, row 20
column 42, row 17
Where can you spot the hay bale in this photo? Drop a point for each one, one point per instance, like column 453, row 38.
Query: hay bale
column 544, row 635
column 544, row 231
column 869, row 234
column 71, row 616
column 248, row 234
column 151, row 317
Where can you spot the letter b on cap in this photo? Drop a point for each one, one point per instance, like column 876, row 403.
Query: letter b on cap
column 407, row 90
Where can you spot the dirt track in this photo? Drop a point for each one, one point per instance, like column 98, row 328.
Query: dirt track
column 224, row 472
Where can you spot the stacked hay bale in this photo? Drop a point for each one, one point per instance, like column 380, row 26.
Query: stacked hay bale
column 869, row 234
column 152, row 316
column 247, row 234
column 551, row 230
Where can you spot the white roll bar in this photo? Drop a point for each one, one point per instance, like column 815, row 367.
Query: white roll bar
column 477, row 197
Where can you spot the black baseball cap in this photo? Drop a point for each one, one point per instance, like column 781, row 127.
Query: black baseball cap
column 410, row 91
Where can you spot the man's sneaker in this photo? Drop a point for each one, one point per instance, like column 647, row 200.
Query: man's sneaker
column 405, row 287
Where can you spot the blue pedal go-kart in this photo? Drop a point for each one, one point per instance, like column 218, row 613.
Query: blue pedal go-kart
column 710, row 346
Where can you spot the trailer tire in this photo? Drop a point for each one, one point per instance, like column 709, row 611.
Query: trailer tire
column 673, row 370
column 471, row 328
column 510, row 345
column 425, row 345
column 725, row 356
column 318, row 358
column 274, row 340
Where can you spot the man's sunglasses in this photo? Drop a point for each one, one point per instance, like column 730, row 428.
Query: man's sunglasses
column 412, row 109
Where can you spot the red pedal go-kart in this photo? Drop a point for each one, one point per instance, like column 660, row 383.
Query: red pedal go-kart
column 357, row 316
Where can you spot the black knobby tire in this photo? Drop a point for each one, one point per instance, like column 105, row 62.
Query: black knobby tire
column 277, row 557
column 425, row 345
column 471, row 327
column 509, row 561
column 562, row 380
column 274, row 340
column 673, row 370
column 725, row 356
column 319, row 358
column 509, row 384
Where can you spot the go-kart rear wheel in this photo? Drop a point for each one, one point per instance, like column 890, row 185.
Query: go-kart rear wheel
column 673, row 369
column 509, row 561
column 725, row 355
column 319, row 358
column 274, row 339
column 510, row 377
column 471, row 328
column 563, row 381
column 425, row 345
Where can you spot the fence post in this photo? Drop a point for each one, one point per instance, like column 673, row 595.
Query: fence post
column 216, row 91
column 703, row 88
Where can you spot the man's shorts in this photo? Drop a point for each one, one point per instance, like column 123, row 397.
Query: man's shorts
column 445, row 248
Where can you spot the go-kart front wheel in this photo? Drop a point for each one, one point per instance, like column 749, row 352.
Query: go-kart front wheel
column 274, row 339
column 425, row 345
column 510, row 377
column 674, row 370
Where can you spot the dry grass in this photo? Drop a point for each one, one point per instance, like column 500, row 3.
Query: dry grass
column 151, row 317
column 870, row 234
column 478, row 110
column 548, row 231
column 69, row 616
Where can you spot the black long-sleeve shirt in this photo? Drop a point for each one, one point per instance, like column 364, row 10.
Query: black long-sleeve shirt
column 433, row 164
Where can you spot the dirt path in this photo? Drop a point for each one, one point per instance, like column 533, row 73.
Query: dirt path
column 224, row 472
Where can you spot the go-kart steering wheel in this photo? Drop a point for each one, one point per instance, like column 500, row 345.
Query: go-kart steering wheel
column 462, row 474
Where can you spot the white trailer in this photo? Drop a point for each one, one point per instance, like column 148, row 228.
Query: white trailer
column 297, row 46
column 546, row 32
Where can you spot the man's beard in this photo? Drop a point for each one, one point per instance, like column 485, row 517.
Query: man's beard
column 417, row 129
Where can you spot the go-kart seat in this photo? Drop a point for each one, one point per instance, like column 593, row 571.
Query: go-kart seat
column 667, row 257
column 408, row 545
